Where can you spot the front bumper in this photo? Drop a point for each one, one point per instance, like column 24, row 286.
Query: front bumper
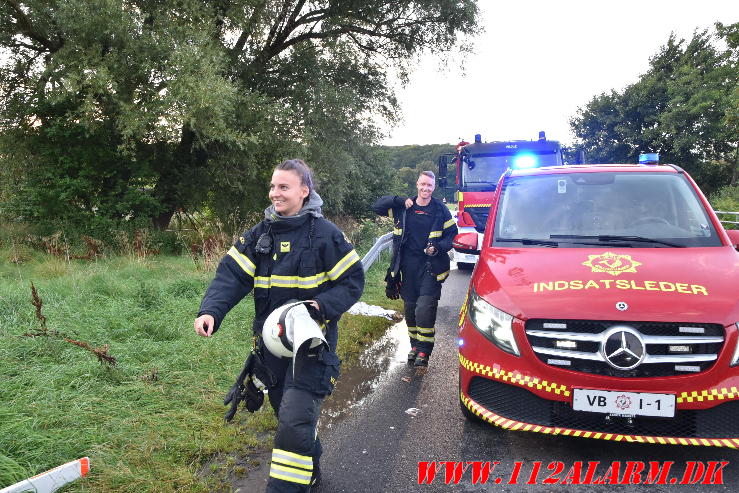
column 524, row 394
column 465, row 258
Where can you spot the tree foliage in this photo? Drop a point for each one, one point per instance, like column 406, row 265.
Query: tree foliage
column 685, row 107
column 411, row 160
column 113, row 109
column 411, row 155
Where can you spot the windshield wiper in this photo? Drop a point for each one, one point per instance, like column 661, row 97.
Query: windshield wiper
column 530, row 241
column 607, row 238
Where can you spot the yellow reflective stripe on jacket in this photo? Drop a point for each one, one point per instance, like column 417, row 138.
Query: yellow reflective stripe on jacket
column 442, row 276
column 397, row 231
column 342, row 265
column 244, row 262
column 390, row 213
column 307, row 282
column 276, row 281
column 435, row 234
column 449, row 224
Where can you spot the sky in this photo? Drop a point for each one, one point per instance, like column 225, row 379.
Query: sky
column 539, row 61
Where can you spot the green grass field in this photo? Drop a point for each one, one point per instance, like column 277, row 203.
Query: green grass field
column 153, row 420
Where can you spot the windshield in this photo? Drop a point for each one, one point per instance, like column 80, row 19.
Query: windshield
column 485, row 169
column 621, row 209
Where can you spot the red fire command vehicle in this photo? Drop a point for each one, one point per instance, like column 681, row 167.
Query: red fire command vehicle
column 479, row 166
column 605, row 304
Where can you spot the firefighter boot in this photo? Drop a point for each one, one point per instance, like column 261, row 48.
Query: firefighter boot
column 422, row 360
column 412, row 355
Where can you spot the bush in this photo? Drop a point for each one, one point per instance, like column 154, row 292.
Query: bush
column 363, row 233
column 726, row 199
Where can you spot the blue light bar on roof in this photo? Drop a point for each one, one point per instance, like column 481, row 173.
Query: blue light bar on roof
column 649, row 158
column 524, row 161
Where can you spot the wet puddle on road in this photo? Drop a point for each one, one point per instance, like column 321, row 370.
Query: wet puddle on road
column 373, row 368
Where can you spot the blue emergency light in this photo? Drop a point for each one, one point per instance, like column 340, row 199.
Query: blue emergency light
column 523, row 161
column 649, row 158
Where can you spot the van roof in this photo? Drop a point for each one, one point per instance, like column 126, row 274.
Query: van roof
column 596, row 168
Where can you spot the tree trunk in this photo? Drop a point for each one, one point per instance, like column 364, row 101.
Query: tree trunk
column 161, row 222
column 171, row 168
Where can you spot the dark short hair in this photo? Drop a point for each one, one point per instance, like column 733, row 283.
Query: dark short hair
column 302, row 169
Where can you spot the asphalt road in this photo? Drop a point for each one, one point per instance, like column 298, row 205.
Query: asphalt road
column 372, row 444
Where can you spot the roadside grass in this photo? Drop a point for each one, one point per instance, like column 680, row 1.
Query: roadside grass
column 154, row 420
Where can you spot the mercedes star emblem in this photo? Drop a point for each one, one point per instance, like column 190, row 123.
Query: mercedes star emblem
column 623, row 347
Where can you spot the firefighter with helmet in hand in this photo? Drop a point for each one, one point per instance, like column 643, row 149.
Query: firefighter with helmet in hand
column 293, row 254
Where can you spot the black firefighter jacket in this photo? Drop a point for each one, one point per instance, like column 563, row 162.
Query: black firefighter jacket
column 310, row 260
column 442, row 233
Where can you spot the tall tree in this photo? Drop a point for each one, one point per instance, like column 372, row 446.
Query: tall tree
column 180, row 102
column 682, row 108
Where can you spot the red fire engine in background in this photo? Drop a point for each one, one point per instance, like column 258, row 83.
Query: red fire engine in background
column 479, row 166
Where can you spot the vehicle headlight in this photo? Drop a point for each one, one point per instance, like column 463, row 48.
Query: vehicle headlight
column 735, row 358
column 494, row 324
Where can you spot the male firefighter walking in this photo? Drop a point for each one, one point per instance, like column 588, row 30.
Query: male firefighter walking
column 422, row 238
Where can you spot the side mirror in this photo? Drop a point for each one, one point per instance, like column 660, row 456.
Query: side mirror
column 443, row 162
column 466, row 243
column 733, row 236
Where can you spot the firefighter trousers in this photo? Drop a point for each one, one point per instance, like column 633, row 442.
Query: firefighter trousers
column 420, row 292
column 297, row 401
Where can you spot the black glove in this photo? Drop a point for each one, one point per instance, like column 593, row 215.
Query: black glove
column 315, row 313
column 253, row 397
column 392, row 290
column 392, row 284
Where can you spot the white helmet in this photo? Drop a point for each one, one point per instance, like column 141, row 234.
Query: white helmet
column 290, row 324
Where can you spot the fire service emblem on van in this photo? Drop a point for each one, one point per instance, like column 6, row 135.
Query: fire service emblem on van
column 611, row 263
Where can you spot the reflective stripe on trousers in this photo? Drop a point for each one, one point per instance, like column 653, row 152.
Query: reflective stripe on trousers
column 297, row 449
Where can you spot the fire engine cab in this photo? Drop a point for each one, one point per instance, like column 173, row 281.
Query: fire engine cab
column 479, row 166
column 605, row 304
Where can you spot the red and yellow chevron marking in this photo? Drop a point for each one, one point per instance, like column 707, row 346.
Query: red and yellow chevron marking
column 463, row 310
column 510, row 424
column 514, row 378
column 709, row 395
column 467, row 206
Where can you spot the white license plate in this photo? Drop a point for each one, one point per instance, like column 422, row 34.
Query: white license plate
column 626, row 403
